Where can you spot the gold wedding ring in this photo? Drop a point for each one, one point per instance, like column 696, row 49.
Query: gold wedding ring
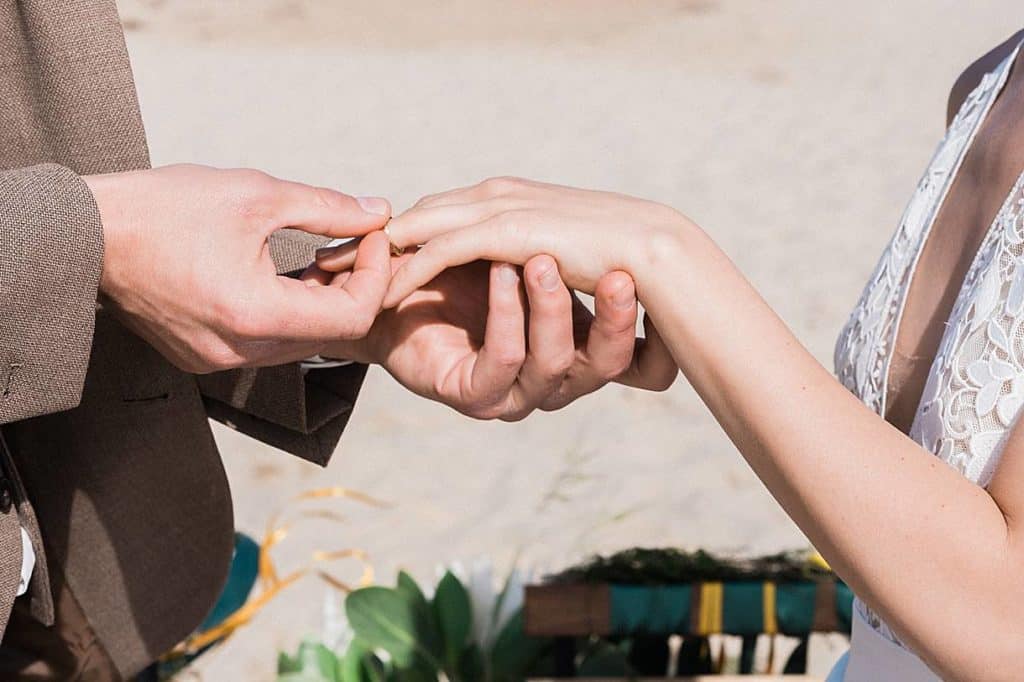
column 396, row 250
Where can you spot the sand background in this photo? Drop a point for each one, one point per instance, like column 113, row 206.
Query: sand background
column 793, row 131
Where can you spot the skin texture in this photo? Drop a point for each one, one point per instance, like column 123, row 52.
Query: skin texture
column 936, row 556
column 212, row 300
column 494, row 342
column 187, row 266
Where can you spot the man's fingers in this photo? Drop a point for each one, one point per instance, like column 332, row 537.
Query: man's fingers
column 552, row 349
column 414, row 227
column 301, row 311
column 314, row 275
column 610, row 340
column 653, row 367
column 613, row 331
column 501, row 357
column 320, row 210
column 337, row 258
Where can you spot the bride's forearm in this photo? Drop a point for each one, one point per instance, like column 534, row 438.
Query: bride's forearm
column 916, row 540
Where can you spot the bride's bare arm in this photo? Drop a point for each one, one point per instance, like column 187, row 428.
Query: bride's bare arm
column 938, row 557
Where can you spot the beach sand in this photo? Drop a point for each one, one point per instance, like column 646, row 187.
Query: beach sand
column 793, row 131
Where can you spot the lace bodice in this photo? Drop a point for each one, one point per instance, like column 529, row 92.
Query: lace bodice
column 975, row 386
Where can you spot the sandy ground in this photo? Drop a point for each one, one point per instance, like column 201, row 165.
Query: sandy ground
column 792, row 130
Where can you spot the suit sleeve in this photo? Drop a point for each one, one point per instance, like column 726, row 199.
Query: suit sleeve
column 301, row 412
column 51, row 257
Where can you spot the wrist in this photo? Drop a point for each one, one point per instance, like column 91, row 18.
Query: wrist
column 667, row 244
column 107, row 192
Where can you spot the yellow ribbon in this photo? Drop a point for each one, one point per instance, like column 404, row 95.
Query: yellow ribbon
column 815, row 559
column 271, row 583
column 711, row 601
column 770, row 622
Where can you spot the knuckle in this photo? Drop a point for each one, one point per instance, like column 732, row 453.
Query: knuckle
column 556, row 403
column 486, row 412
column 325, row 198
column 514, row 415
column 615, row 369
column 241, row 321
column 426, row 200
column 361, row 322
column 500, row 185
column 510, row 357
column 215, row 356
column 249, row 325
column 562, row 363
column 251, row 176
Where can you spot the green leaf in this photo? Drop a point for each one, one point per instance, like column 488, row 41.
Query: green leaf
column 303, row 677
column 408, row 587
column 514, row 653
column 420, row 671
column 471, row 664
column 426, row 621
column 454, row 616
column 287, row 664
column 605, row 659
column 313, row 663
column 358, row 664
column 387, row 619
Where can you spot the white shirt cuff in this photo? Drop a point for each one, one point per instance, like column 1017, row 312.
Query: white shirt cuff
column 28, row 562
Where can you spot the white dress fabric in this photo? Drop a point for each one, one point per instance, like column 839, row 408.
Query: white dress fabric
column 975, row 386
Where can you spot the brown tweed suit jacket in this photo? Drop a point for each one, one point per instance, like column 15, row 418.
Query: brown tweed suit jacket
column 107, row 455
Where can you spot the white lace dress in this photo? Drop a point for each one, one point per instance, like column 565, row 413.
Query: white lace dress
column 975, row 386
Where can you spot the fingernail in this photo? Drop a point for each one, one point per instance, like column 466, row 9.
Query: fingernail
column 623, row 298
column 549, row 279
column 325, row 252
column 507, row 274
column 374, row 205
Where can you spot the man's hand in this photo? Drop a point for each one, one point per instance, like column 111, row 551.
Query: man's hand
column 464, row 339
column 187, row 265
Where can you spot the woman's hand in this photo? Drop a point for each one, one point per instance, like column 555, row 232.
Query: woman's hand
column 511, row 220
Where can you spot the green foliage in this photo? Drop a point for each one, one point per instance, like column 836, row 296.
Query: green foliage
column 397, row 621
column 401, row 636
column 454, row 616
column 641, row 566
column 514, row 653
column 313, row 663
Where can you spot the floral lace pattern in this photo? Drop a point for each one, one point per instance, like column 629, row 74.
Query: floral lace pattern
column 863, row 350
column 975, row 386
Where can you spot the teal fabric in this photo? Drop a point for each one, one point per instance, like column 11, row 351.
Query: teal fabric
column 844, row 606
column 640, row 609
column 794, row 607
column 241, row 578
column 743, row 607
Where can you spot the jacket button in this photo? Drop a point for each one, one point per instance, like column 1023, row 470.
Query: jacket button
column 6, row 498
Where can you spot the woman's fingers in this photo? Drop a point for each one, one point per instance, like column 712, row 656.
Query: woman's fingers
column 501, row 238
column 418, row 226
